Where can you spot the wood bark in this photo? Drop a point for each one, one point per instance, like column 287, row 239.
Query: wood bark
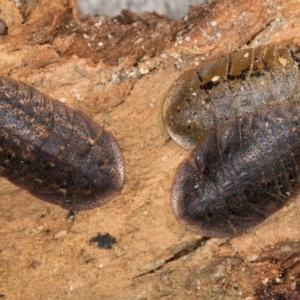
column 118, row 70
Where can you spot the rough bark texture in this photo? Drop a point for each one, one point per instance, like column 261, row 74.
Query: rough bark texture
column 119, row 70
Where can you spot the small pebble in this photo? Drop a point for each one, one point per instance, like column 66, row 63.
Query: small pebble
column 60, row 234
column 285, row 249
column 252, row 257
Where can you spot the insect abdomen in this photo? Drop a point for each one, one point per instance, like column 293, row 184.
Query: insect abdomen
column 240, row 174
column 56, row 153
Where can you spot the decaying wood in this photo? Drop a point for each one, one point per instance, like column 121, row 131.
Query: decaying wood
column 120, row 70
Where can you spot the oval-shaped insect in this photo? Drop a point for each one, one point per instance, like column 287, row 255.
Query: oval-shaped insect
column 56, row 153
column 241, row 174
column 242, row 82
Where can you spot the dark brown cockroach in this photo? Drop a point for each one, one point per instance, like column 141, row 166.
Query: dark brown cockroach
column 240, row 174
column 56, row 153
column 240, row 83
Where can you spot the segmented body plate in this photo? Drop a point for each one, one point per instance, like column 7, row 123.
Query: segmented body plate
column 240, row 83
column 56, row 153
column 240, row 174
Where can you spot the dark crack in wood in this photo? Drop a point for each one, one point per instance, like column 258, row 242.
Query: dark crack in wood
column 186, row 250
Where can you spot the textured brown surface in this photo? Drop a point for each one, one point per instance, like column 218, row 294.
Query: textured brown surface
column 120, row 70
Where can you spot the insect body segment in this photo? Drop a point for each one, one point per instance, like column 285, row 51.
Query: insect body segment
column 56, row 153
column 229, row 87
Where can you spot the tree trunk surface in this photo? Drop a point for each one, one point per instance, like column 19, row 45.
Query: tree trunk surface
column 118, row 71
